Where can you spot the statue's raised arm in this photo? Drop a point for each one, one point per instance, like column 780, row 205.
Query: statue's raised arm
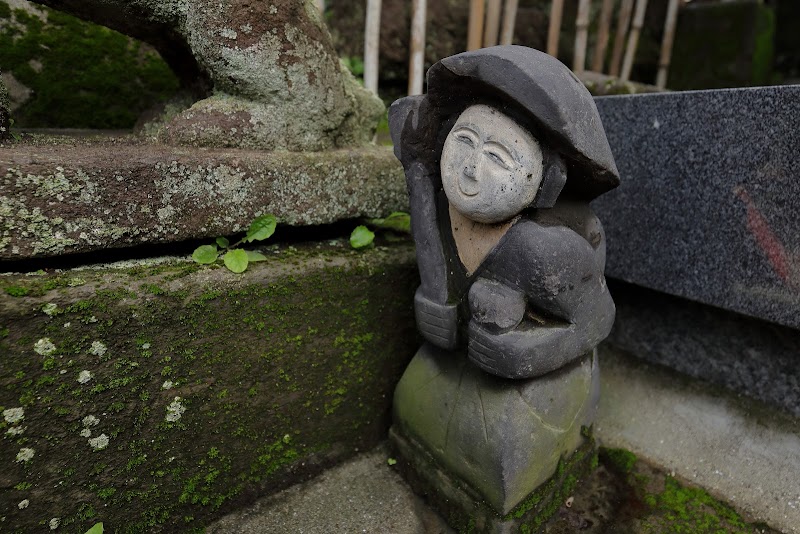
column 414, row 137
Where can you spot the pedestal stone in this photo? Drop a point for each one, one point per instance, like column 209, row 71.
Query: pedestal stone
column 502, row 437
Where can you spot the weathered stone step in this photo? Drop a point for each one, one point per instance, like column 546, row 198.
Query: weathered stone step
column 60, row 195
column 153, row 396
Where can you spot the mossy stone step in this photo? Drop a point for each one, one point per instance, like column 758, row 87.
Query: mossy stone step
column 157, row 396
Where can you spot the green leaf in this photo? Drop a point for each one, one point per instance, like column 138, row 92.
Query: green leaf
column 391, row 461
column 222, row 242
column 398, row 221
column 97, row 529
column 261, row 228
column 252, row 256
column 205, row 254
column 361, row 237
column 235, row 260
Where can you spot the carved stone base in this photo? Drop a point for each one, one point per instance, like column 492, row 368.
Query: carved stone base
column 466, row 511
column 494, row 439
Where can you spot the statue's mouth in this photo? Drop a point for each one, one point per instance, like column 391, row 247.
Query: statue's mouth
column 468, row 186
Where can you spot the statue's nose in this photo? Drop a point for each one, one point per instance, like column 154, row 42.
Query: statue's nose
column 470, row 167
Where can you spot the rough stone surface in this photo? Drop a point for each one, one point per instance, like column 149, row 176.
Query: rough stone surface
column 709, row 199
column 156, row 396
column 603, row 85
column 503, row 438
column 363, row 495
column 750, row 357
column 5, row 112
column 266, row 72
column 60, row 196
column 617, row 492
column 738, row 449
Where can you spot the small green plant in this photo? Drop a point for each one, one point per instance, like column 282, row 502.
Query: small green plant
column 96, row 529
column 355, row 65
column 14, row 135
column 237, row 259
column 361, row 237
column 397, row 222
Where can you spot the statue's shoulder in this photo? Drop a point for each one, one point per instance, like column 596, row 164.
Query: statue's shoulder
column 576, row 216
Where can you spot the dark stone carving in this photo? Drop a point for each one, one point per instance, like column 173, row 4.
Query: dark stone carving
column 502, row 157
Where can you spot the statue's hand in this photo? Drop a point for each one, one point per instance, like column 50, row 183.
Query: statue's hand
column 497, row 307
column 414, row 131
column 524, row 352
column 438, row 323
column 485, row 349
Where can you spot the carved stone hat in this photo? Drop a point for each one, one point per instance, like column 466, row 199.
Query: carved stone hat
column 540, row 92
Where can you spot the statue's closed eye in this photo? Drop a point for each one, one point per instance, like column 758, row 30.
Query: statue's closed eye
column 497, row 158
column 464, row 138
column 499, row 154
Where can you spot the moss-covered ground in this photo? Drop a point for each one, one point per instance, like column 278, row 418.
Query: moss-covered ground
column 626, row 495
column 156, row 397
column 81, row 75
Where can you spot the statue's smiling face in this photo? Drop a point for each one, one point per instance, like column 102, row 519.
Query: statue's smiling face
column 491, row 167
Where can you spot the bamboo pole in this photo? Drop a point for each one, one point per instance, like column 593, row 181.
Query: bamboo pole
column 509, row 21
column 554, row 30
column 475, row 29
column 633, row 39
column 417, row 62
column 372, row 33
column 581, row 37
column 623, row 22
column 602, row 35
column 666, row 44
column 492, row 28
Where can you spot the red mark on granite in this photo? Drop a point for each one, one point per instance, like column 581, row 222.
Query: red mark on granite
column 765, row 237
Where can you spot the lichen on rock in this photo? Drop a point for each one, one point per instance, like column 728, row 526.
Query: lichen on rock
column 82, row 195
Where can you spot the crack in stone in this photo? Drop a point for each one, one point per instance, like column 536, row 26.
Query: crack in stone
column 455, row 403
column 483, row 414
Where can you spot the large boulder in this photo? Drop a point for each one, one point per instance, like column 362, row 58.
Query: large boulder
column 265, row 74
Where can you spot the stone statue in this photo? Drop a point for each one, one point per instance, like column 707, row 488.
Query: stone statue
column 502, row 157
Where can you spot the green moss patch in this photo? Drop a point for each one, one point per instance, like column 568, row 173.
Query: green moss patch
column 625, row 494
column 81, row 75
